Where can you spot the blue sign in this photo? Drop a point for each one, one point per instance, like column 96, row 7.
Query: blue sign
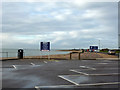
column 94, row 47
column 45, row 46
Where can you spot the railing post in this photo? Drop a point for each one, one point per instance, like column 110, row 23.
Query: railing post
column 79, row 55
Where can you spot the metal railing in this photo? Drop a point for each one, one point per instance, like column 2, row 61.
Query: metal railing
column 42, row 55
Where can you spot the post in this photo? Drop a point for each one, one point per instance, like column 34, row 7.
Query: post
column 70, row 56
column 118, row 55
column 7, row 54
column 49, row 55
column 79, row 55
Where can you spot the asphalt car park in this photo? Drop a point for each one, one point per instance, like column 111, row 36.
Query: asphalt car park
column 46, row 74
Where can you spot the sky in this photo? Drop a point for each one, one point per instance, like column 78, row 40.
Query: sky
column 64, row 24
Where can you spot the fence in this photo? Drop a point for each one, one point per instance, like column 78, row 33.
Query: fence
column 8, row 55
column 32, row 53
column 54, row 55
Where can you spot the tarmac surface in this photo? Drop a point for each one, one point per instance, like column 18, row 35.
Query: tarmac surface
column 47, row 74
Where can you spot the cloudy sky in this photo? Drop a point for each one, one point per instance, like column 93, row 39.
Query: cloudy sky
column 64, row 24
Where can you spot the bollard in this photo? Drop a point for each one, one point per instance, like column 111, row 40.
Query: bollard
column 79, row 55
column 70, row 56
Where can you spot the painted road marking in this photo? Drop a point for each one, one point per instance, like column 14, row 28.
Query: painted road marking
column 79, row 72
column 83, row 66
column 33, row 64
column 14, row 66
column 102, row 63
column 87, row 67
column 94, row 74
column 45, row 62
column 105, row 74
column 63, row 86
column 68, row 80
column 109, row 83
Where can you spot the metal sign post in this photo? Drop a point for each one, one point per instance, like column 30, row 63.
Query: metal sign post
column 48, row 54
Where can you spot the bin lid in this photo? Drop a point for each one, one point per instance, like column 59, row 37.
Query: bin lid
column 20, row 49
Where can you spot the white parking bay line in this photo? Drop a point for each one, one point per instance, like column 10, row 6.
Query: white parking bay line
column 80, row 85
column 83, row 66
column 33, row 64
column 103, row 74
column 95, row 84
column 79, row 72
column 14, row 66
column 107, row 74
column 45, row 62
column 87, row 67
column 102, row 63
column 54, row 86
column 68, row 80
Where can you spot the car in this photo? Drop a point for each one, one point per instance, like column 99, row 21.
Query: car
column 111, row 52
column 96, row 51
column 90, row 50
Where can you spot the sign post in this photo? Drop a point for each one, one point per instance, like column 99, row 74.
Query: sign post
column 45, row 46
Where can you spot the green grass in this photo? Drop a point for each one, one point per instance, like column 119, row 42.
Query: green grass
column 106, row 51
column 117, row 52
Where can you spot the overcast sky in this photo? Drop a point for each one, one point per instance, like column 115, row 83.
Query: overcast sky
column 64, row 24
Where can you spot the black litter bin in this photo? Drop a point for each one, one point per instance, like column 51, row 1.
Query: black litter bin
column 20, row 54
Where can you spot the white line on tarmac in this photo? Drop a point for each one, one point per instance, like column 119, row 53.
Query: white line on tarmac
column 83, row 66
column 33, row 64
column 102, row 63
column 93, row 84
column 68, row 80
column 38, row 87
column 79, row 72
column 45, row 62
column 14, row 66
column 94, row 74
column 105, row 74
column 109, row 83
column 88, row 67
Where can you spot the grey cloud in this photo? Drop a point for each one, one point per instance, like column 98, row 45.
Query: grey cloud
column 36, row 19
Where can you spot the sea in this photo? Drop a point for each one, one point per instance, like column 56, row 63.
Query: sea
column 30, row 52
